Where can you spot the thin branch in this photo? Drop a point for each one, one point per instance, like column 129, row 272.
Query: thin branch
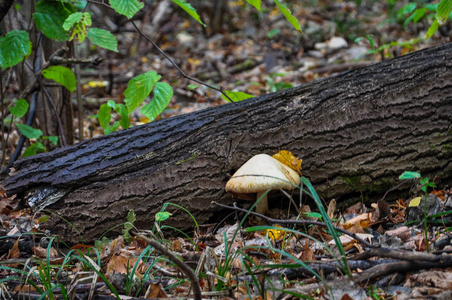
column 177, row 67
column 81, row 116
column 184, row 268
column 294, row 222
column 57, row 60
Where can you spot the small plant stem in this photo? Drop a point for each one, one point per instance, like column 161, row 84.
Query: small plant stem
column 184, row 268
column 294, row 222
column 425, row 224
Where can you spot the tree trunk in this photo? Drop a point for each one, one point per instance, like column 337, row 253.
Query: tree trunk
column 356, row 133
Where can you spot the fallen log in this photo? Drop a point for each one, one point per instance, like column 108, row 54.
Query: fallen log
column 356, row 133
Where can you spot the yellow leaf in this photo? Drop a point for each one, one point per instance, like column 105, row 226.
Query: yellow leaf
column 415, row 202
column 287, row 158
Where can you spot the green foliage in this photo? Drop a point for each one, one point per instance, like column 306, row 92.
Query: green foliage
column 425, row 184
column 61, row 75
column 29, row 131
column 127, row 8
column 409, row 175
column 14, row 47
column 139, row 88
column 443, row 11
column 33, row 133
column 162, row 216
column 104, row 116
column 277, row 86
column 286, row 12
column 131, row 218
column 50, row 16
column 163, row 93
column 137, row 91
column 103, row 38
column 190, row 10
column 256, row 3
column 236, row 96
column 20, row 108
column 78, row 22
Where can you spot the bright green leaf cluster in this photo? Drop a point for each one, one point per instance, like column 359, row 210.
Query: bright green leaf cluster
column 79, row 23
column 104, row 116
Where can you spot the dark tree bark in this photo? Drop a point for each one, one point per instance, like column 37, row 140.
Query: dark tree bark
column 5, row 5
column 356, row 133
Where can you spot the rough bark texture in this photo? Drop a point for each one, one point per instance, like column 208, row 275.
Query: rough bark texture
column 355, row 132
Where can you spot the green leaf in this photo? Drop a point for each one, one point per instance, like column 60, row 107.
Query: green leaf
column 14, row 47
column 418, row 14
column 53, row 139
column 286, row 12
column 78, row 22
column 50, row 16
column 432, row 29
column 127, row 8
column 139, row 88
column 443, row 11
column 432, row 7
column 236, row 96
column 103, row 38
column 111, row 128
column 409, row 8
column 256, row 3
column 313, row 215
column 20, row 108
column 121, row 109
column 162, row 96
column 62, row 75
column 272, row 33
column 409, row 175
column 30, row 151
column 29, row 131
column 131, row 218
column 162, row 216
column 72, row 20
column 104, row 115
column 192, row 87
column 190, row 10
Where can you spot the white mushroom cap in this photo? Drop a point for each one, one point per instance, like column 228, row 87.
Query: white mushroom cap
column 273, row 175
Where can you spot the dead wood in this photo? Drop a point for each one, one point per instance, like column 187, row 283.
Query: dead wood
column 356, row 133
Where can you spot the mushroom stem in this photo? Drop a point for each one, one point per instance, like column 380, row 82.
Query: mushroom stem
column 262, row 205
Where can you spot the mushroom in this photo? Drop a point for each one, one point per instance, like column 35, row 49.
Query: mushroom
column 271, row 175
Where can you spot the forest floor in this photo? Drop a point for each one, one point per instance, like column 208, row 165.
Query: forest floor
column 255, row 54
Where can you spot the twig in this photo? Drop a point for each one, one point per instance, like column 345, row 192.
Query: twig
column 177, row 67
column 52, row 103
column 295, row 222
column 57, row 60
column 394, row 188
column 81, row 116
column 184, row 268
column 397, row 254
